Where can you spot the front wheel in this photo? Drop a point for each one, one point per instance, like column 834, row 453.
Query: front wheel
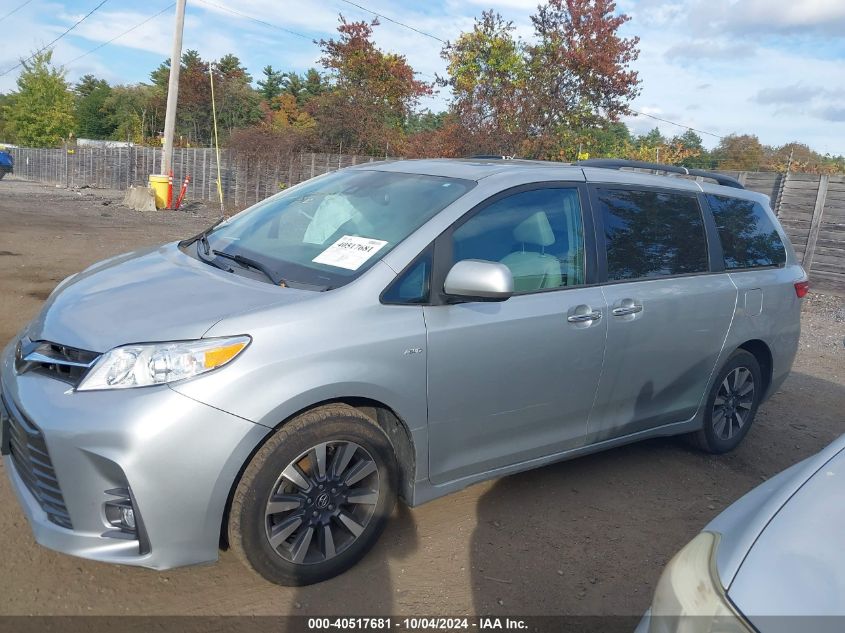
column 731, row 404
column 315, row 497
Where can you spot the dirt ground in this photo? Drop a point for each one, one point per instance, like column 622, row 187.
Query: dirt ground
column 589, row 536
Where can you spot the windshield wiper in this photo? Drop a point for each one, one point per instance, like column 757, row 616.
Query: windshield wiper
column 248, row 262
column 211, row 262
column 203, row 236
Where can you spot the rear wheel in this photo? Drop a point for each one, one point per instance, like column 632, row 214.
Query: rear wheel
column 732, row 403
column 315, row 497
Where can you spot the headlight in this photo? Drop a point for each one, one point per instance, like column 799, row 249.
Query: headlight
column 689, row 597
column 158, row 363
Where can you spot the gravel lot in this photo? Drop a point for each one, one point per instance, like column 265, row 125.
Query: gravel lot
column 588, row 536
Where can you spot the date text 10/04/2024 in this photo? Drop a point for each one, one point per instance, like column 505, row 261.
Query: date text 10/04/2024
column 417, row 624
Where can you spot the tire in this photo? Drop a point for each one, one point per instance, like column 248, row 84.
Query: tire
column 727, row 405
column 354, row 517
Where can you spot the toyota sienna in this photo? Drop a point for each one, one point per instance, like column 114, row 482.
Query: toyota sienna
column 392, row 330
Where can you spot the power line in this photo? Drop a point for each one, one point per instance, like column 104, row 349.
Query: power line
column 15, row 10
column 286, row 30
column 657, row 118
column 434, row 37
column 254, row 19
column 140, row 24
column 43, row 48
column 389, row 19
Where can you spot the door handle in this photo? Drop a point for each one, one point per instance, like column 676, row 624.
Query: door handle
column 628, row 309
column 582, row 318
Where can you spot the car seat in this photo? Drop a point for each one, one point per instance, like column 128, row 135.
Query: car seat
column 533, row 270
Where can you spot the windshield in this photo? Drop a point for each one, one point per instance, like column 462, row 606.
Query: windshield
column 328, row 231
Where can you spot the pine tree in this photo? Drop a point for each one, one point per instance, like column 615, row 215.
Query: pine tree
column 271, row 86
column 92, row 115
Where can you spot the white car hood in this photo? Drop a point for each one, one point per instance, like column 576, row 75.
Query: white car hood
column 796, row 566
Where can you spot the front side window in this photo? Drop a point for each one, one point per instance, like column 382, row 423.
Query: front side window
column 326, row 232
column 537, row 234
column 652, row 234
column 748, row 235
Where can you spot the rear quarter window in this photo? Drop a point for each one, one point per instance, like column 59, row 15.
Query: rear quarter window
column 748, row 235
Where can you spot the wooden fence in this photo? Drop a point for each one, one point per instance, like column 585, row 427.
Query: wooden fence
column 811, row 207
column 812, row 210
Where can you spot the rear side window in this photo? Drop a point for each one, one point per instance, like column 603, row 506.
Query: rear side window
column 748, row 235
column 652, row 234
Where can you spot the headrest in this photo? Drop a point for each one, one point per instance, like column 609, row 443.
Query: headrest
column 535, row 229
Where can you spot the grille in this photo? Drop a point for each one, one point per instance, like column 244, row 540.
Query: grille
column 32, row 462
column 58, row 361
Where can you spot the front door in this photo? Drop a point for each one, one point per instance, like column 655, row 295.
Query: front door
column 513, row 381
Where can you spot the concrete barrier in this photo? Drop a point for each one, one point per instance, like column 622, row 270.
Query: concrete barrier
column 140, row 198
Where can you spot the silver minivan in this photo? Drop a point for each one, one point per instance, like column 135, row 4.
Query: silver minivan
column 399, row 329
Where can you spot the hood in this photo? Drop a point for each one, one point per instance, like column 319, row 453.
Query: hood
column 160, row 294
column 741, row 523
column 797, row 564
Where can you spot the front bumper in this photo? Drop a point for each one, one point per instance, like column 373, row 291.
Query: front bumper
column 179, row 458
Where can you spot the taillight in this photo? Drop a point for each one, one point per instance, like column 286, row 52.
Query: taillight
column 802, row 288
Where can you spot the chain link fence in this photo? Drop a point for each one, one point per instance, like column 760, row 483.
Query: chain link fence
column 245, row 180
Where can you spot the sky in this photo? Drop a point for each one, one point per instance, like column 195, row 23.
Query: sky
column 774, row 68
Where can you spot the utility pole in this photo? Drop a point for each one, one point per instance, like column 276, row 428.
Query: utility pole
column 216, row 143
column 173, row 89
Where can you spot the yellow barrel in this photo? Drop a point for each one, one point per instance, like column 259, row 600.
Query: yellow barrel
column 159, row 184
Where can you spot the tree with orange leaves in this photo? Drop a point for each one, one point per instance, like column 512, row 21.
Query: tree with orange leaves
column 371, row 95
column 528, row 98
column 579, row 70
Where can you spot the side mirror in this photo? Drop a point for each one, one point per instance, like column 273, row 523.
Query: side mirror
column 479, row 280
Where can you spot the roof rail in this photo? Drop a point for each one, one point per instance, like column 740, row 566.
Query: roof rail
column 618, row 163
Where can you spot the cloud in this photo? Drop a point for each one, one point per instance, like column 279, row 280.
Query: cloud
column 154, row 36
column 769, row 17
column 761, row 61
column 315, row 17
column 803, row 100
column 654, row 12
column 834, row 114
column 523, row 5
column 794, row 94
column 789, row 16
column 703, row 50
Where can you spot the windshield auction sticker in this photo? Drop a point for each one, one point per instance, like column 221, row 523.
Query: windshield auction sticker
column 349, row 252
